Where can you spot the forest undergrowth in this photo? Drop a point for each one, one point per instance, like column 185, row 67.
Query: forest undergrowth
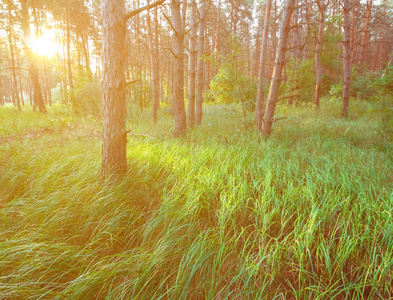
column 218, row 214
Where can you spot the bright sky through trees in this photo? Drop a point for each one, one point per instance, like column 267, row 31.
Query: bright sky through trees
column 45, row 44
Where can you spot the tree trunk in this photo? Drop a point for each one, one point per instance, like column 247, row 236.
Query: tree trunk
column 365, row 30
column 261, row 82
column 318, row 50
column 159, row 82
column 382, row 37
column 20, row 80
column 114, row 160
column 86, row 53
column 139, row 60
column 278, row 66
column 178, row 78
column 31, row 59
column 255, row 69
column 217, row 48
column 153, row 58
column 347, row 59
column 14, row 85
column 199, row 74
column 191, row 64
column 69, row 62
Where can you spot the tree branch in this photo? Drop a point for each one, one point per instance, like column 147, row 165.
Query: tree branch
column 131, row 82
column 278, row 119
column 289, row 96
column 139, row 10
column 169, row 21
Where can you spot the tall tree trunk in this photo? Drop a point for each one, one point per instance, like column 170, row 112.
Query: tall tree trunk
column 275, row 31
column 199, row 74
column 191, row 64
column 69, row 62
column 31, row 59
column 278, row 66
column 318, row 50
column 48, row 80
column 308, row 8
column 86, row 53
column 295, row 34
column 14, row 85
column 365, row 31
column 261, row 81
column 347, row 58
column 153, row 58
column 382, row 37
column 217, row 48
column 114, row 142
column 257, row 53
column 139, row 59
column 178, row 80
column 159, row 82
column 20, row 80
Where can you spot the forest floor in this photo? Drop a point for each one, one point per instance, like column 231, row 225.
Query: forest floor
column 218, row 214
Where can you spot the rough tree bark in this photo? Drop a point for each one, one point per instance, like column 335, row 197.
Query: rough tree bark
column 114, row 159
column 261, row 81
column 191, row 64
column 278, row 66
column 199, row 75
column 114, row 142
column 318, row 50
column 347, row 59
column 178, row 76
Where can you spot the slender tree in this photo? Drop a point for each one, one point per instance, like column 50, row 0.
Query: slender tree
column 153, row 64
column 318, row 50
column 261, row 81
column 191, row 64
column 14, row 85
column 32, row 62
column 278, row 66
column 200, row 64
column 347, row 58
column 365, row 30
column 178, row 74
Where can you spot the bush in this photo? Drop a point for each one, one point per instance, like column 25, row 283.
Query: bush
column 301, row 79
column 385, row 83
column 361, row 86
column 232, row 82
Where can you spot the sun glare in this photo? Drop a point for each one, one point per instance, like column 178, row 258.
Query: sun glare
column 45, row 45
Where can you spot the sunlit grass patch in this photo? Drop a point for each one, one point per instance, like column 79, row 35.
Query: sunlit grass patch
column 220, row 213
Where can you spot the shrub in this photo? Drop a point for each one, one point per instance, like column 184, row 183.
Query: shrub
column 301, row 79
column 361, row 83
column 385, row 83
column 232, row 82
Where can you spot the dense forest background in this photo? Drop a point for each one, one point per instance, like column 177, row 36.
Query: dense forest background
column 65, row 38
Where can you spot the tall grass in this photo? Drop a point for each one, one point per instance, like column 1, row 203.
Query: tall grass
column 219, row 214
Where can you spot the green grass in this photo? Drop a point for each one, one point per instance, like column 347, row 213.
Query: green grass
column 218, row 214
